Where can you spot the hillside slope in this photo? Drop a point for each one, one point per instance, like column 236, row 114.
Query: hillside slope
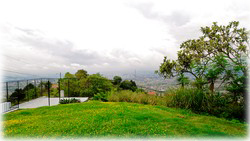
column 113, row 119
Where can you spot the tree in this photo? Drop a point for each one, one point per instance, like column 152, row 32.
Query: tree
column 95, row 84
column 215, row 69
column 30, row 91
column 80, row 74
column 183, row 80
column 46, row 85
column 18, row 94
column 117, row 80
column 232, row 43
column 128, row 85
column 70, row 85
column 228, row 43
column 69, row 75
column 28, row 87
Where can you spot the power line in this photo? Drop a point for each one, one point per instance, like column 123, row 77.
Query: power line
column 16, row 59
column 24, row 61
column 19, row 72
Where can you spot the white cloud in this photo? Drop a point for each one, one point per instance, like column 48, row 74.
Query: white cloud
column 61, row 35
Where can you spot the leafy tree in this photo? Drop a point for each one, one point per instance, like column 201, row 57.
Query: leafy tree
column 31, row 94
column 28, row 87
column 45, row 84
column 70, row 84
column 117, row 80
column 232, row 42
column 17, row 94
column 80, row 74
column 128, row 85
column 69, row 75
column 96, row 83
column 30, row 91
column 183, row 80
column 225, row 46
column 215, row 70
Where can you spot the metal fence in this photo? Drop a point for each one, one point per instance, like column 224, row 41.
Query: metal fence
column 17, row 92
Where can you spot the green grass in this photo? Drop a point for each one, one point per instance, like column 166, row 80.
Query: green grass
column 115, row 119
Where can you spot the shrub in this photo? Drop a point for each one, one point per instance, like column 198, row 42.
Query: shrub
column 101, row 96
column 66, row 101
column 95, row 84
column 188, row 98
column 18, row 94
column 128, row 85
column 116, row 80
column 135, row 97
column 200, row 101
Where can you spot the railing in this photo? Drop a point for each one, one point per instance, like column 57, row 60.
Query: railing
column 6, row 106
column 16, row 92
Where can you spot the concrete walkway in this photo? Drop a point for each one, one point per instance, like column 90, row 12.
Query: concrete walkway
column 43, row 101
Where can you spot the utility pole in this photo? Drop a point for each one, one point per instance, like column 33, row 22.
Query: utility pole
column 59, row 84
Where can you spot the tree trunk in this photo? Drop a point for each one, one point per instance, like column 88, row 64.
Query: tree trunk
column 212, row 87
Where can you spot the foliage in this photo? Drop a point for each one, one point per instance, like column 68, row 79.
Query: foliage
column 197, row 100
column 96, row 83
column 83, row 84
column 45, row 85
column 70, row 86
column 71, row 100
column 28, row 87
column 54, row 92
column 225, row 47
column 183, row 80
column 17, row 94
column 128, row 85
column 115, row 119
column 80, row 74
column 135, row 97
column 101, row 96
column 31, row 94
column 117, row 80
column 200, row 101
column 69, row 75
column 28, row 92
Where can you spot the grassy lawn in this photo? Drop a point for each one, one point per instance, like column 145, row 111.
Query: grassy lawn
column 115, row 119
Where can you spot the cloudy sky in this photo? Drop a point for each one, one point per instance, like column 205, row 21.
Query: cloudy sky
column 50, row 36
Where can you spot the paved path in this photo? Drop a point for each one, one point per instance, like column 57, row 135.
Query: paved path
column 43, row 101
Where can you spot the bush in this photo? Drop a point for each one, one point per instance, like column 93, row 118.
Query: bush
column 95, row 84
column 18, row 94
column 128, row 85
column 189, row 98
column 200, row 101
column 116, row 80
column 101, row 96
column 66, row 101
column 135, row 97
column 54, row 92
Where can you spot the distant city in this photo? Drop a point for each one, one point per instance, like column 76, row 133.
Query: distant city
column 146, row 79
column 143, row 79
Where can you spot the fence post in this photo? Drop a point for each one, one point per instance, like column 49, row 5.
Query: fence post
column 18, row 93
column 28, row 90
column 7, row 92
column 41, row 85
column 35, row 88
column 68, row 87
column 48, row 93
column 59, row 88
